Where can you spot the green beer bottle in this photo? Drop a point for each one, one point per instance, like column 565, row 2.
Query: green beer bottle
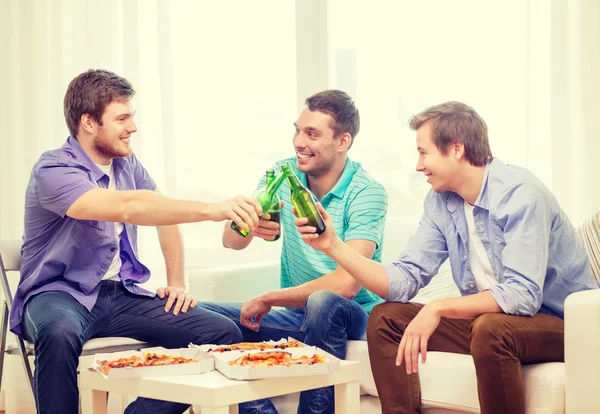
column 303, row 201
column 275, row 210
column 266, row 197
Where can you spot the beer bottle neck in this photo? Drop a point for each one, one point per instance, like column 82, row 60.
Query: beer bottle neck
column 291, row 177
column 275, row 183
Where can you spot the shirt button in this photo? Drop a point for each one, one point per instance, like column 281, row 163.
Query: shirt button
column 113, row 249
column 471, row 285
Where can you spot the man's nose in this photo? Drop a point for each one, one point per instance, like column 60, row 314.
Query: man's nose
column 419, row 167
column 299, row 141
column 132, row 127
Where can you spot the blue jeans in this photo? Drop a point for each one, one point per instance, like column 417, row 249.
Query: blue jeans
column 58, row 325
column 327, row 321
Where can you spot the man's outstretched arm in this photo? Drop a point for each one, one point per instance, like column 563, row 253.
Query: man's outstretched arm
column 149, row 208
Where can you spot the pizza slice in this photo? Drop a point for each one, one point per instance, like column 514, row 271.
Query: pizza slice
column 150, row 360
column 154, row 360
column 276, row 358
column 131, row 362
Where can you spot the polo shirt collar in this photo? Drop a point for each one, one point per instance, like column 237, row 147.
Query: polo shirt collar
column 339, row 189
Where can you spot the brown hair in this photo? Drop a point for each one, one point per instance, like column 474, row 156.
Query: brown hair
column 457, row 122
column 339, row 105
column 90, row 93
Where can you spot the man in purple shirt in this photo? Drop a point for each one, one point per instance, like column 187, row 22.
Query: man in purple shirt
column 80, row 270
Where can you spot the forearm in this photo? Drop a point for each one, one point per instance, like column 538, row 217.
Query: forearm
column 466, row 307
column 171, row 245
column 296, row 297
column 148, row 208
column 141, row 207
column 366, row 272
column 232, row 240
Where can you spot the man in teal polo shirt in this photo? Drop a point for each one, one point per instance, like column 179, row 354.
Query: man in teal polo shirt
column 325, row 307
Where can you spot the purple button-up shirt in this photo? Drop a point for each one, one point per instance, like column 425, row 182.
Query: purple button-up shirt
column 63, row 254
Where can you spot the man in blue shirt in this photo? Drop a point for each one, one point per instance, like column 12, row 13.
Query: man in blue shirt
column 325, row 306
column 514, row 256
column 80, row 269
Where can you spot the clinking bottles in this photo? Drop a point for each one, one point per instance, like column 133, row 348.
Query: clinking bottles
column 267, row 198
column 303, row 201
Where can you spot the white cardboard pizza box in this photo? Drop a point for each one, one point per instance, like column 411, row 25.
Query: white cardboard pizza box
column 247, row 373
column 205, row 363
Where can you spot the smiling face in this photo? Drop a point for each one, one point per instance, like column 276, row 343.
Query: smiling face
column 441, row 170
column 315, row 143
column 113, row 137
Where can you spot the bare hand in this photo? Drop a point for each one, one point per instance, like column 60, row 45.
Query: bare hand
column 266, row 229
column 323, row 241
column 182, row 300
column 252, row 313
column 244, row 211
column 415, row 339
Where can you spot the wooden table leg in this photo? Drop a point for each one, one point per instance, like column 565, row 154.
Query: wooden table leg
column 347, row 398
column 93, row 401
column 219, row 410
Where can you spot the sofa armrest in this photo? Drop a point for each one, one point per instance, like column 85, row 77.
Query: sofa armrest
column 235, row 283
column 582, row 358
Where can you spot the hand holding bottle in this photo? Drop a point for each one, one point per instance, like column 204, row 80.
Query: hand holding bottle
column 268, row 229
column 240, row 210
column 322, row 242
column 267, row 198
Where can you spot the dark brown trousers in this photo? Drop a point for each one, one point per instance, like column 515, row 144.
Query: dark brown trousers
column 498, row 343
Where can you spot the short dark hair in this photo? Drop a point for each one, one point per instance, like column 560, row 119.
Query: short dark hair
column 339, row 105
column 91, row 92
column 457, row 122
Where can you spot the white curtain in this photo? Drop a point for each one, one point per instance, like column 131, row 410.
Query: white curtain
column 563, row 132
column 217, row 96
column 215, row 105
column 528, row 67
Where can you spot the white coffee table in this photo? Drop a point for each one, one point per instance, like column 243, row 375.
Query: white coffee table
column 217, row 394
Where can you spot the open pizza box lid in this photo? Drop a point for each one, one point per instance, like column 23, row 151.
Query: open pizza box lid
column 205, row 363
column 245, row 373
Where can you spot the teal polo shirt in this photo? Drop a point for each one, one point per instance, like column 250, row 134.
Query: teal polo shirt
column 358, row 206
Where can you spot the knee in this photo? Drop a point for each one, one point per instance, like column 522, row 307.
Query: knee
column 323, row 305
column 225, row 332
column 60, row 336
column 488, row 335
column 379, row 320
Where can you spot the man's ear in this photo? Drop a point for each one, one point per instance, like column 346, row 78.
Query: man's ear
column 88, row 123
column 344, row 141
column 458, row 150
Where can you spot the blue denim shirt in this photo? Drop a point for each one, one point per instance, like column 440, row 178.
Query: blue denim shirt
column 531, row 244
column 61, row 253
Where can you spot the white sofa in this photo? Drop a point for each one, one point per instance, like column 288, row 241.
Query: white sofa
column 447, row 380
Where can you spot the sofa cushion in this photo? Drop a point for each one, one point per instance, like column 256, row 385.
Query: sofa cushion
column 544, row 383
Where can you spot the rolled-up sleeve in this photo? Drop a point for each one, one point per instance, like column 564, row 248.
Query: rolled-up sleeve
column 59, row 186
column 525, row 217
column 425, row 252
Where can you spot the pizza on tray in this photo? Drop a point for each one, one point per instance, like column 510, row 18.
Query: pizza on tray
column 251, row 346
column 276, row 359
column 150, row 359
